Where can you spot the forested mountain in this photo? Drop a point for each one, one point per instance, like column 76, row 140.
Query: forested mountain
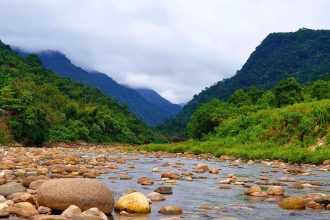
column 151, row 112
column 304, row 54
column 40, row 106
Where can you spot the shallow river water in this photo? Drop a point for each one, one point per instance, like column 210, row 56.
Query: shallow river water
column 204, row 189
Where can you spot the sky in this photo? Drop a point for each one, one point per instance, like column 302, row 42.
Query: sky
column 176, row 47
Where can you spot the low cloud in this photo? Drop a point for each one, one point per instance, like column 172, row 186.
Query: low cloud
column 176, row 47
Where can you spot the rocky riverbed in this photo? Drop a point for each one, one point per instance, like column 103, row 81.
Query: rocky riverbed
column 89, row 182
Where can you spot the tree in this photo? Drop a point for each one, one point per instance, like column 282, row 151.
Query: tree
column 239, row 98
column 288, row 92
column 207, row 117
column 320, row 90
column 255, row 94
column 267, row 98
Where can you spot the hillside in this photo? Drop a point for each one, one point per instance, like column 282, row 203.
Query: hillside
column 44, row 107
column 304, row 54
column 151, row 112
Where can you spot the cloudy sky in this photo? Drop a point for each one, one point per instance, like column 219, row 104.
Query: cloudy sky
column 176, row 47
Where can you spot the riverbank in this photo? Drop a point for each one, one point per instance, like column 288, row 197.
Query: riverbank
column 182, row 184
column 266, row 151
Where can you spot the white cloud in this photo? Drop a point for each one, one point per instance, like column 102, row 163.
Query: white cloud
column 176, row 47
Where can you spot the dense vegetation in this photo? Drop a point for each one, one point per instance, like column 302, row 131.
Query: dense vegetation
column 146, row 104
column 45, row 107
column 290, row 122
column 304, row 54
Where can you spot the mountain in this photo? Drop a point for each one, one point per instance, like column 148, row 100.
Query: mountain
column 304, row 54
column 40, row 106
column 152, row 113
column 153, row 97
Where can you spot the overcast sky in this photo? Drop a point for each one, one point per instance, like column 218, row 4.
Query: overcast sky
column 176, row 47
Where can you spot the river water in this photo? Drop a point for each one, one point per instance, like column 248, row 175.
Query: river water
column 204, row 189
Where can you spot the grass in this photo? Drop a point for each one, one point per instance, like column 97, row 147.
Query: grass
column 293, row 154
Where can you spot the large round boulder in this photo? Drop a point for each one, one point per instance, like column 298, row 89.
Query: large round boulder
column 10, row 188
column 135, row 202
column 59, row 194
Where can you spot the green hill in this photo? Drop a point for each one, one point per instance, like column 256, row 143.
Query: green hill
column 44, row 107
column 304, row 54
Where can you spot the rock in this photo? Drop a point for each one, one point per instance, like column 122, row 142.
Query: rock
column 135, row 202
column 44, row 210
column 259, row 194
column 23, row 209
column 171, row 175
column 49, row 217
column 72, row 210
column 250, row 162
column 59, row 194
column 2, row 181
column 294, row 170
column 3, row 214
column 2, row 199
column 171, row 210
column 226, row 157
column 214, row 171
column 156, row 170
column 275, row 190
column 7, row 165
column 328, row 207
column 314, row 205
column 35, row 184
column 22, row 197
column 124, row 177
column 324, row 200
column 10, row 188
column 3, row 205
column 297, row 186
column 287, row 179
column 292, row 202
column 145, row 181
column 94, row 213
column 224, row 187
column 28, row 180
column 155, row 196
column 253, row 189
column 164, row 190
column 201, row 168
column 226, row 181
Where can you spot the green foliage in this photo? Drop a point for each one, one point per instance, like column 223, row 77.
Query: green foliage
column 240, row 98
column 304, row 54
column 288, row 92
column 46, row 107
column 320, row 90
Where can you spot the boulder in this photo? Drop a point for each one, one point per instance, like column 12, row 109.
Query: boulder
column 155, row 196
column 145, row 181
column 252, row 189
column 72, row 210
column 171, row 210
column 167, row 190
column 59, row 194
column 35, row 184
column 292, row 202
column 201, row 168
column 10, row 188
column 275, row 190
column 28, row 180
column 135, row 202
column 23, row 209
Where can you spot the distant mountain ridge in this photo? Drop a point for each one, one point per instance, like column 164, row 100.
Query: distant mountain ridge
column 304, row 54
column 151, row 112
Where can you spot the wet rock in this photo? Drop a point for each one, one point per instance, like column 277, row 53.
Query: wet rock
column 10, row 188
column 156, row 170
column 201, row 168
column 294, row 170
column 171, row 210
column 2, row 181
column 145, row 181
column 226, row 181
column 23, row 209
column 314, row 205
column 91, row 214
column 49, row 217
column 171, row 218
column 71, row 211
column 2, row 199
column 292, row 202
column 44, row 210
column 287, row 179
column 21, row 197
column 226, row 157
column 297, row 186
column 275, row 190
column 171, row 175
column 155, row 196
column 133, row 203
column 166, row 190
column 253, row 189
column 324, row 200
column 124, row 177
column 225, row 187
column 250, row 162
column 259, row 194
column 59, row 194
column 214, row 171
